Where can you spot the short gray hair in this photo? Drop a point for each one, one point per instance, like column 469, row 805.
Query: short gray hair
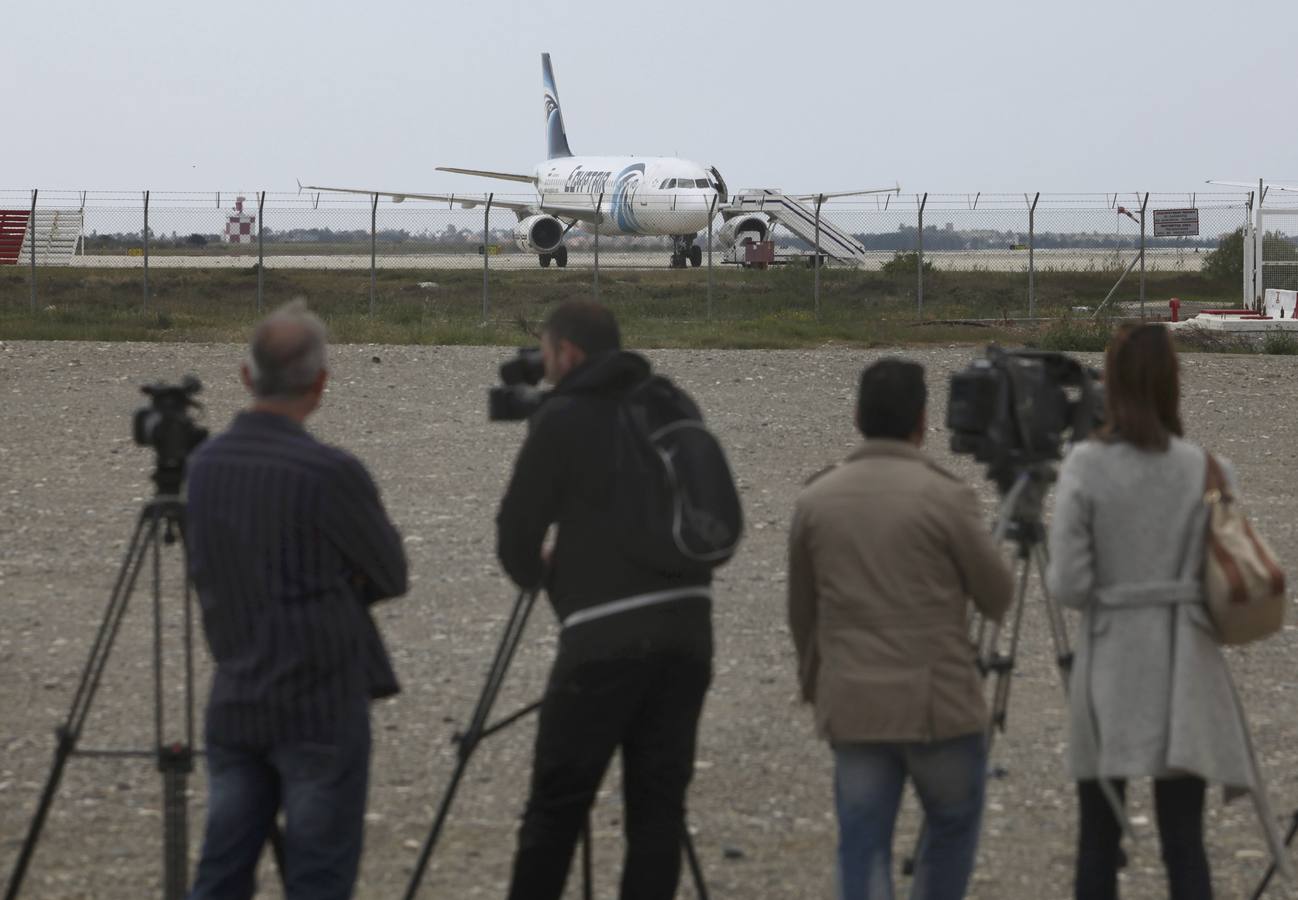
column 287, row 352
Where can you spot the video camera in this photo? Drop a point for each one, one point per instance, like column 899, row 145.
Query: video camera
column 518, row 396
column 165, row 425
column 1014, row 409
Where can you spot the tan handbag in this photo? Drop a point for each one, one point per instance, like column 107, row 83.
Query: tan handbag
column 1242, row 580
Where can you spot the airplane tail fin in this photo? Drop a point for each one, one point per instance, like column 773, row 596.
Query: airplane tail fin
column 556, row 138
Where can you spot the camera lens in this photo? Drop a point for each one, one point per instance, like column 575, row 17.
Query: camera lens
column 527, row 367
column 144, row 425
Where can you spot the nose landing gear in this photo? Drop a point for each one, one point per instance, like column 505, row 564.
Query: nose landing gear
column 685, row 250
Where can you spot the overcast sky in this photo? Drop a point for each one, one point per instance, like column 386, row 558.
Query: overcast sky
column 809, row 95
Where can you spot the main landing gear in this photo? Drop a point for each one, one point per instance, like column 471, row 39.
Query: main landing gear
column 684, row 249
column 560, row 257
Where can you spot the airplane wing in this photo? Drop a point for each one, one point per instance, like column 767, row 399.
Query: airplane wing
column 465, row 201
column 503, row 176
column 1271, row 185
column 584, row 212
column 811, row 198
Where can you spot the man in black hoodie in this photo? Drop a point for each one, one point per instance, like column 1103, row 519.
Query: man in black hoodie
column 635, row 646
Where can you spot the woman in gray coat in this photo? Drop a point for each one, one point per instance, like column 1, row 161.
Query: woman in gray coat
column 1150, row 692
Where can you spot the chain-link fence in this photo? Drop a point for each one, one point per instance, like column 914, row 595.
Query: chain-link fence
column 1035, row 246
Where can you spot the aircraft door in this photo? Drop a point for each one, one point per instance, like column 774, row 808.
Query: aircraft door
column 719, row 184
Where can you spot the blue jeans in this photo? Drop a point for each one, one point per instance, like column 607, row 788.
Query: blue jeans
column 321, row 788
column 949, row 777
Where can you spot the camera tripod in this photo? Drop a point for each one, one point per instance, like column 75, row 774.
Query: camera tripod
column 162, row 521
column 478, row 729
column 1020, row 521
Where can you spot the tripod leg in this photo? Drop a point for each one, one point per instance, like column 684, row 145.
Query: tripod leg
column 1270, row 869
column 987, row 634
column 469, row 741
column 174, row 760
column 189, row 629
column 145, row 532
column 1058, row 625
column 1003, row 667
column 175, row 763
column 587, row 862
column 70, row 731
column 692, row 859
column 61, row 754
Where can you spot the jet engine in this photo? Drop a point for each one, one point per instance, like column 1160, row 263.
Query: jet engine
column 744, row 228
column 539, row 234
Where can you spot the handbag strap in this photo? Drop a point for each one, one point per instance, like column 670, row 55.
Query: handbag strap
column 1215, row 488
column 1215, row 485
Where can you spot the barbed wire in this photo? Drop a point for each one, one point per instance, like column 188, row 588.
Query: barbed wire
column 973, row 201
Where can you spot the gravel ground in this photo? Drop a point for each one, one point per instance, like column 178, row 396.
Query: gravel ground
column 761, row 806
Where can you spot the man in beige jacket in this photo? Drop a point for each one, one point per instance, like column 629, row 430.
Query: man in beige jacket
column 885, row 551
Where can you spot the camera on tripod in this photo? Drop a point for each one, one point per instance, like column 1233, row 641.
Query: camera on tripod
column 518, row 396
column 165, row 425
column 1014, row 409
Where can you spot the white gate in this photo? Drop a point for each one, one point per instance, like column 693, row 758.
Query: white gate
column 1276, row 248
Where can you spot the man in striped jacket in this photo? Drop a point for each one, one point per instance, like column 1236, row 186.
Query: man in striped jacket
column 289, row 545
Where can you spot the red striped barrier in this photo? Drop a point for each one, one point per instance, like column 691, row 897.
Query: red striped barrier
column 13, row 231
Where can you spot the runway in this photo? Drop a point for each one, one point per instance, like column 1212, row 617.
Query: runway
column 1089, row 260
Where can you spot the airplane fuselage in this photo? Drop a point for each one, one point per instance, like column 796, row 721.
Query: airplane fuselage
column 654, row 195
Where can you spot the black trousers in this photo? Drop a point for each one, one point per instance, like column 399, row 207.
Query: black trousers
column 1178, row 804
column 647, row 704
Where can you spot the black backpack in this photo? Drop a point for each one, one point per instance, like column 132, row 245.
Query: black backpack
column 674, row 499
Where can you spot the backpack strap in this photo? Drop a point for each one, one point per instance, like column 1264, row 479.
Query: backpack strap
column 626, row 604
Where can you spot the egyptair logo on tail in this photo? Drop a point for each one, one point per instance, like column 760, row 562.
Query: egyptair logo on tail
column 551, row 105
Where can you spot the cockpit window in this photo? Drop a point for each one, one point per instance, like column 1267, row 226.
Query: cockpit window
column 700, row 182
column 669, row 183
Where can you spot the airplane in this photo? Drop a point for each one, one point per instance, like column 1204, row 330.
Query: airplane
column 610, row 195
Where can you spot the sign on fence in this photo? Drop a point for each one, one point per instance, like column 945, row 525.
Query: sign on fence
column 1176, row 223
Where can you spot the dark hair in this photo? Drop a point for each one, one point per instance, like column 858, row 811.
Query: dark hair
column 891, row 399
column 586, row 324
column 1142, row 387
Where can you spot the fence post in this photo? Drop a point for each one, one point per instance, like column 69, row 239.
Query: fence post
column 261, row 255
column 486, row 252
column 1032, row 268
column 31, row 246
column 712, row 211
column 815, row 260
column 1259, row 246
column 598, row 204
column 919, row 255
column 1144, row 201
column 146, row 251
column 374, row 232
column 1247, row 248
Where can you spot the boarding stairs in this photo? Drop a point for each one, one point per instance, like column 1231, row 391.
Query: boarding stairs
column 798, row 217
column 58, row 235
